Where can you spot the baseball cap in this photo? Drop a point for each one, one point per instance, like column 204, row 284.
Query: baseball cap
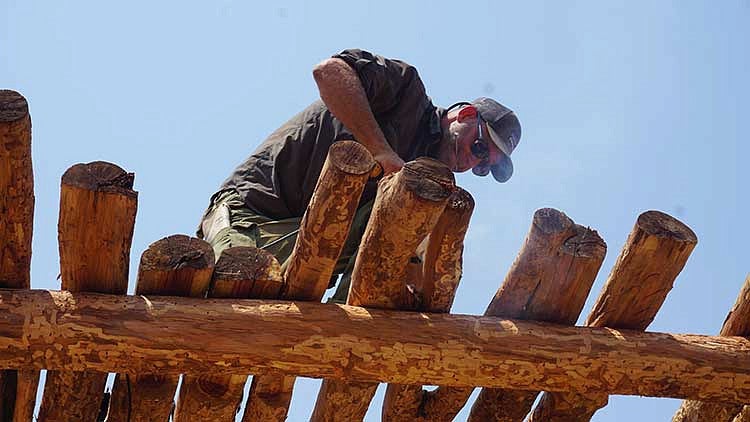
column 505, row 132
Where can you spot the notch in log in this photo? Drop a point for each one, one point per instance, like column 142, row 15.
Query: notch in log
column 440, row 275
column 18, row 389
column 737, row 323
column 241, row 272
column 176, row 265
column 548, row 281
column 407, row 207
column 95, row 231
column 323, row 232
column 653, row 255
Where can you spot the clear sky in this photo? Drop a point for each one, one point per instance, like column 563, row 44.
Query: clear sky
column 625, row 107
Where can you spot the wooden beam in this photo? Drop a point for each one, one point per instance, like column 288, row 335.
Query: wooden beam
column 139, row 334
column 176, row 265
column 95, row 230
column 241, row 272
column 323, row 232
column 437, row 283
column 549, row 280
column 407, row 207
column 18, row 392
column 737, row 323
column 653, row 255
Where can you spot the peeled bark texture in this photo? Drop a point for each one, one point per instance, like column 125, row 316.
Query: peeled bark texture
column 736, row 324
column 177, row 265
column 654, row 254
column 241, row 272
column 438, row 281
column 138, row 334
column 16, row 228
column 327, row 220
column 323, row 232
column 16, row 191
column 407, row 207
column 744, row 415
column 95, row 230
column 549, row 280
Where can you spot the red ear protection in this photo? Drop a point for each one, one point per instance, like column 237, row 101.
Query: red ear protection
column 468, row 112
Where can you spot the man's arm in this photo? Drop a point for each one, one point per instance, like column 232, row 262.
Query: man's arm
column 343, row 94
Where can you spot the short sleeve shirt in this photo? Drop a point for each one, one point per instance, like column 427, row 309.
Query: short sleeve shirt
column 278, row 179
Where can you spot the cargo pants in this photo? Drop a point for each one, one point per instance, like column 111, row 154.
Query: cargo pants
column 228, row 222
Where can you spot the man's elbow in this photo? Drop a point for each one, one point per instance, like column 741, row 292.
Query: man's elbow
column 328, row 70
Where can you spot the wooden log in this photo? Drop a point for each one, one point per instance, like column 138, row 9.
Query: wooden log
column 16, row 228
column 552, row 288
column 139, row 334
column 737, row 323
column 549, row 280
column 653, row 255
column 407, row 207
column 437, row 284
column 176, row 265
column 323, row 232
column 744, row 415
column 241, row 272
column 95, row 230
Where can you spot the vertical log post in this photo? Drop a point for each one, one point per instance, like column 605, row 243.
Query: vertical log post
column 654, row 254
column 440, row 275
column 95, row 230
column 323, row 232
column 736, row 324
column 177, row 265
column 17, row 388
column 548, row 281
column 241, row 272
column 407, row 207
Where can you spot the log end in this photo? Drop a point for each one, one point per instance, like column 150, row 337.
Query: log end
column 461, row 201
column 247, row 272
column 657, row 223
column 586, row 243
column 100, row 176
column 429, row 179
column 551, row 221
column 13, row 106
column 351, row 157
column 176, row 252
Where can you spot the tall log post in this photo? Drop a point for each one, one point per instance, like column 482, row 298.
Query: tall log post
column 176, row 265
column 549, row 281
column 736, row 324
column 407, row 207
column 17, row 389
column 440, row 274
column 241, row 272
column 95, row 230
column 138, row 334
column 323, row 232
column 653, row 255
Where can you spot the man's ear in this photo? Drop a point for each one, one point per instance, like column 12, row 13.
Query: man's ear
column 466, row 113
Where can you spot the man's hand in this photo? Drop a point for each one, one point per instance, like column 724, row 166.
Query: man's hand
column 389, row 162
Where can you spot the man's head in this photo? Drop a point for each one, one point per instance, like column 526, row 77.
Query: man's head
column 480, row 136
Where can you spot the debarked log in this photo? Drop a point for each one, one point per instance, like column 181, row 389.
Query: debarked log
column 61, row 330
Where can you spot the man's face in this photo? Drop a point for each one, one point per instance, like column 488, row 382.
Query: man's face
column 462, row 132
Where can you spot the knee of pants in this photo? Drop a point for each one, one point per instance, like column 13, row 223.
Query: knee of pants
column 230, row 237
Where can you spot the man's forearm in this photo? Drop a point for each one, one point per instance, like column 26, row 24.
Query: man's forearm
column 342, row 92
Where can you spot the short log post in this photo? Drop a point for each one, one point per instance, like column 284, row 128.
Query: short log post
column 654, row 254
column 548, row 281
column 95, row 230
column 736, row 324
column 407, row 207
column 176, row 265
column 241, row 272
column 323, row 232
column 440, row 274
column 17, row 389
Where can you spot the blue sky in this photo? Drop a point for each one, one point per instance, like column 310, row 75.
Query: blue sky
column 626, row 107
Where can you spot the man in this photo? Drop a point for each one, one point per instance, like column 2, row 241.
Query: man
column 378, row 102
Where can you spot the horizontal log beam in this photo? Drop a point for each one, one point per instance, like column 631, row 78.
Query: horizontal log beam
column 60, row 330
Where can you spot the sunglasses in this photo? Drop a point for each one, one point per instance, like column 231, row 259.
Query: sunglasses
column 479, row 148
